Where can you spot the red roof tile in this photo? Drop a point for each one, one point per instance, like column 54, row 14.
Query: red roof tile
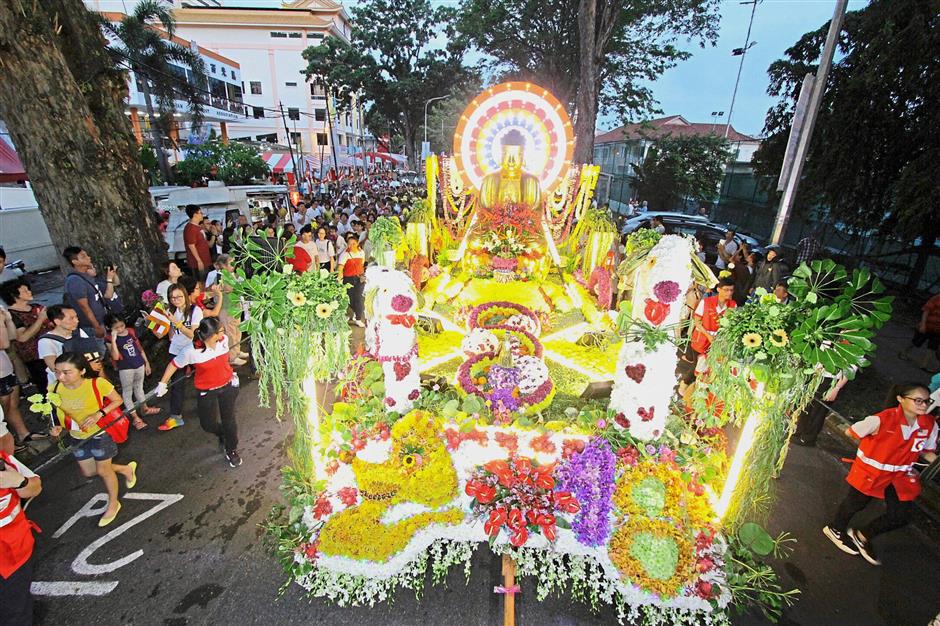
column 674, row 125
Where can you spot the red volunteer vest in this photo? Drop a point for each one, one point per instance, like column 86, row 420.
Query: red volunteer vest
column 16, row 536
column 701, row 342
column 887, row 458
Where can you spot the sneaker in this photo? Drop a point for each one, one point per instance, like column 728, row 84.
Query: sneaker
column 174, row 421
column 836, row 537
column 864, row 546
column 234, row 460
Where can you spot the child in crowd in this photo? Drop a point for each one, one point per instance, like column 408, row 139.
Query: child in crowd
column 132, row 365
column 171, row 274
column 210, row 301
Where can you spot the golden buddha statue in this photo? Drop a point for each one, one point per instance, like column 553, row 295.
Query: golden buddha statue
column 511, row 185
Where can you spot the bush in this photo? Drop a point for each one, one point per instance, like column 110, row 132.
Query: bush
column 238, row 163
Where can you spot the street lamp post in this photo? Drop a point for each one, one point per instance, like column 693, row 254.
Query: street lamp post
column 427, row 102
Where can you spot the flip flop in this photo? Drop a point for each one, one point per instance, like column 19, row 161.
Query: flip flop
column 104, row 521
column 152, row 410
column 140, row 424
column 132, row 481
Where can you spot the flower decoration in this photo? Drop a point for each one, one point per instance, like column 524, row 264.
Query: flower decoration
column 504, row 314
column 149, row 298
column 779, row 338
column 751, row 340
column 666, row 291
column 589, row 475
column 479, row 341
column 324, row 310
column 297, row 298
column 653, row 554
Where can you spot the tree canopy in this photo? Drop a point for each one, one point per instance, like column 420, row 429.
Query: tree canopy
column 237, row 163
column 877, row 136
column 676, row 168
column 393, row 61
column 626, row 43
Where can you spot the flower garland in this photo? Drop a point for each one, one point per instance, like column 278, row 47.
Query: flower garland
column 506, row 314
column 472, row 378
column 589, row 474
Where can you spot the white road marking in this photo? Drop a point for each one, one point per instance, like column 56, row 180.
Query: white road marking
column 81, row 565
column 72, row 588
column 89, row 510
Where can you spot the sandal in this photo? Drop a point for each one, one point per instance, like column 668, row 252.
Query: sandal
column 140, row 424
column 152, row 410
column 31, row 437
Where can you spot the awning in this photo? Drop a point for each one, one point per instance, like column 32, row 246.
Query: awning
column 11, row 168
column 279, row 162
column 387, row 157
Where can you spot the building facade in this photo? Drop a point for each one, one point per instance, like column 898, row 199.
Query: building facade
column 618, row 150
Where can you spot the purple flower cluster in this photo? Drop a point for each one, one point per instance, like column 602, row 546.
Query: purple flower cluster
column 504, row 396
column 589, row 475
column 666, row 291
column 504, row 377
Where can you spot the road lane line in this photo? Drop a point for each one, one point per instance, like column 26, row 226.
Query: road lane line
column 72, row 588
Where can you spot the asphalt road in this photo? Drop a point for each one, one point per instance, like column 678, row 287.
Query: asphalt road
column 201, row 558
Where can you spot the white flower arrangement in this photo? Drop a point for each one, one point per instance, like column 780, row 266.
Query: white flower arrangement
column 533, row 373
column 479, row 341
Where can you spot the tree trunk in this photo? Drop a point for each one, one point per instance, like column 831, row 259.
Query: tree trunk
column 155, row 131
column 587, row 97
column 410, row 131
column 66, row 117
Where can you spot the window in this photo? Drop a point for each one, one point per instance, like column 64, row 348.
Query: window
column 294, row 35
column 278, row 35
column 321, row 139
column 258, row 113
column 340, row 139
column 290, row 84
column 293, row 114
column 315, row 36
column 295, row 138
column 272, row 138
column 255, row 87
column 317, row 91
column 319, row 115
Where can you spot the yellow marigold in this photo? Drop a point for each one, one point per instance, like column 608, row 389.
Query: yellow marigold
column 751, row 340
column 297, row 298
column 779, row 338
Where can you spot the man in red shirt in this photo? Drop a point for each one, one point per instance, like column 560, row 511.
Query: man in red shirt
column 197, row 248
column 927, row 331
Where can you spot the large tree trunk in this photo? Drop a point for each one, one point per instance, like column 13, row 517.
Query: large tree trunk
column 587, row 97
column 66, row 117
column 411, row 132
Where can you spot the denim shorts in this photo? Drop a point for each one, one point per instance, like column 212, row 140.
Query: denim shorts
column 100, row 447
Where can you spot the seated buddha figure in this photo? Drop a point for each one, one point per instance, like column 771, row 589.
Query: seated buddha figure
column 510, row 184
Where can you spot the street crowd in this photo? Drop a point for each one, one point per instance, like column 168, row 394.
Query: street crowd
column 88, row 355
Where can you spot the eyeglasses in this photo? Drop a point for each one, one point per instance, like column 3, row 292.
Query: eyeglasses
column 918, row 401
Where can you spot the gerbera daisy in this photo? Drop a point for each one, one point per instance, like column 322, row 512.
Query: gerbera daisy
column 779, row 338
column 324, row 310
column 297, row 298
column 751, row 340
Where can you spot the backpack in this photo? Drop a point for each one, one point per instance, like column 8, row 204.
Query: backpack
column 77, row 343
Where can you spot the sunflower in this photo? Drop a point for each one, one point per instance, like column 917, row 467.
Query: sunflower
column 779, row 338
column 751, row 340
column 324, row 310
column 297, row 298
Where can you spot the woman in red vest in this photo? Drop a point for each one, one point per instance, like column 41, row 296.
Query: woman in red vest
column 352, row 269
column 17, row 483
column 890, row 443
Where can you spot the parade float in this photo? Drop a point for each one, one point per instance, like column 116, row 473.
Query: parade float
column 500, row 403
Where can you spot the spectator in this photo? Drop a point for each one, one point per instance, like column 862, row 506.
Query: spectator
column 171, row 274
column 6, row 274
column 326, row 252
column 84, row 400
column 312, row 213
column 17, row 484
column 927, row 331
column 743, row 274
column 811, row 421
column 352, row 267
column 771, row 270
column 65, row 336
column 198, row 257
column 807, row 249
column 782, row 292
column 10, row 388
column 132, row 365
column 31, row 321
column 216, row 383
column 705, row 318
column 185, row 318
column 342, row 225
column 656, row 224
column 726, row 249
column 91, row 298
column 229, row 322
column 209, row 301
column 890, row 442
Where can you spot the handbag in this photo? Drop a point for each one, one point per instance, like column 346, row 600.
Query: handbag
column 114, row 423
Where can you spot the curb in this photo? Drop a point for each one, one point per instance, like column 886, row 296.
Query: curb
column 929, row 500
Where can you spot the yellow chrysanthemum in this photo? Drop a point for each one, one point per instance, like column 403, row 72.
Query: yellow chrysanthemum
column 297, row 298
column 324, row 310
column 779, row 338
column 751, row 340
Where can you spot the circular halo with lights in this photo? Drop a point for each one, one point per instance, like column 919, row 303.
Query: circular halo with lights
column 527, row 108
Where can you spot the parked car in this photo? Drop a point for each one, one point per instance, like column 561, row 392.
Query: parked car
column 710, row 233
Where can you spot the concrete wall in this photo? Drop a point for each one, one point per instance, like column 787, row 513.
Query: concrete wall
column 23, row 232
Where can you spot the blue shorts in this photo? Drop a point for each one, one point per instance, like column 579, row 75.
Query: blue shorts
column 100, row 448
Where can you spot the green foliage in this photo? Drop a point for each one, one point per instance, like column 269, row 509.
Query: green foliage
column 148, row 159
column 539, row 40
column 752, row 582
column 237, row 163
column 421, row 212
column 875, row 144
column 393, row 62
column 682, row 167
column 386, row 234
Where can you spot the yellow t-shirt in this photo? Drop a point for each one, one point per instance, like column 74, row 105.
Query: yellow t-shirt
column 80, row 403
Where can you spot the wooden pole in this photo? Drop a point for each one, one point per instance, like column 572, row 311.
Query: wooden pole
column 509, row 598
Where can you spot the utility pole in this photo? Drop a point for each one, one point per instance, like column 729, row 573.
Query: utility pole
column 748, row 44
column 290, row 206
column 806, row 133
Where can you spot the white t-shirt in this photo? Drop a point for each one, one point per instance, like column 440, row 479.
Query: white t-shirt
column 342, row 229
column 730, row 247
column 312, row 214
column 213, row 277
column 50, row 347
column 325, row 250
column 179, row 341
column 6, row 365
column 163, row 287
